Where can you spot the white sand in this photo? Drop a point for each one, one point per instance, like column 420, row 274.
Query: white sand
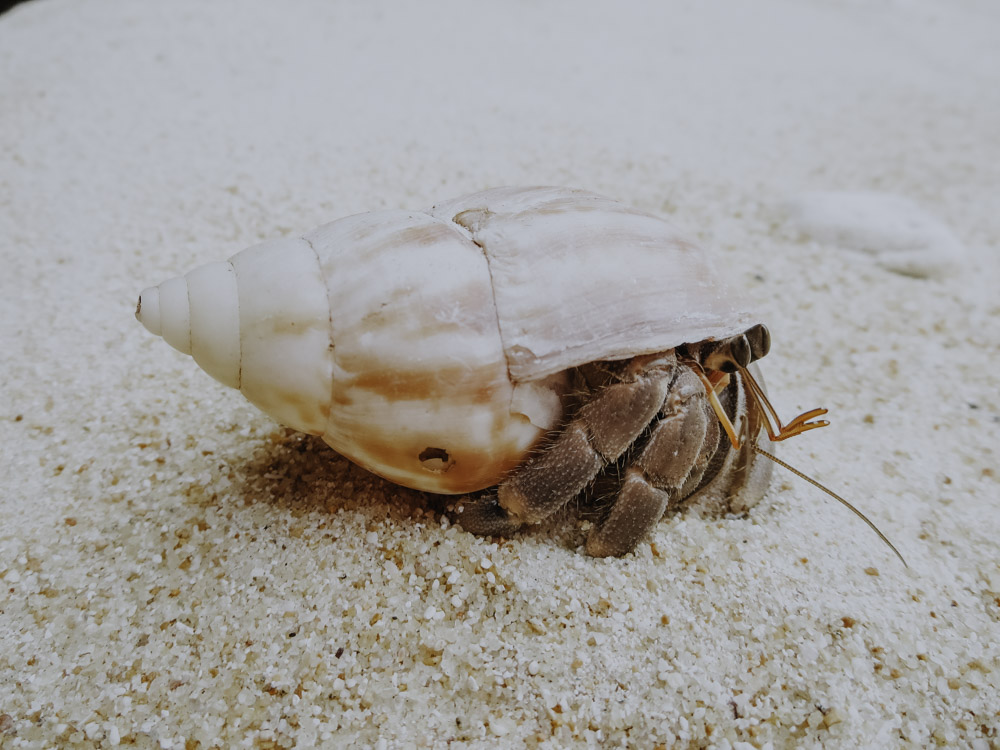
column 180, row 572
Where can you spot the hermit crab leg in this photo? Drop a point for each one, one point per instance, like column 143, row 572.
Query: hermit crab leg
column 782, row 432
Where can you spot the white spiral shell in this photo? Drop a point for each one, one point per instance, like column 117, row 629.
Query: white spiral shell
column 430, row 347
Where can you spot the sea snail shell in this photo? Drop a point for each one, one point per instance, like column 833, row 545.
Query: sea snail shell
column 431, row 347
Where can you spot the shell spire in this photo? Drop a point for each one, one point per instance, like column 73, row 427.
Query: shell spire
column 198, row 314
column 258, row 322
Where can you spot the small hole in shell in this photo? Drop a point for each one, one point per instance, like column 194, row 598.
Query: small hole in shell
column 436, row 460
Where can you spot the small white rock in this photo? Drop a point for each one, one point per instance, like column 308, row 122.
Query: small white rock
column 898, row 233
column 501, row 727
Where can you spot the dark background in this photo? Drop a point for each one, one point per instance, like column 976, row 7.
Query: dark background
column 6, row 5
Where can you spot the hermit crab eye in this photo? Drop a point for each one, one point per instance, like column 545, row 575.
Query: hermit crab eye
column 760, row 341
column 729, row 356
column 740, row 352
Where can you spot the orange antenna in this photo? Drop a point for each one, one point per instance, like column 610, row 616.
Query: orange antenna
column 772, row 422
column 713, row 399
column 778, row 431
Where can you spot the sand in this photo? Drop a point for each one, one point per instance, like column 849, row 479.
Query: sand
column 178, row 571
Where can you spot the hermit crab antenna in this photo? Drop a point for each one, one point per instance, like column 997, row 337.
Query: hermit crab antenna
column 835, row 496
column 797, row 426
column 713, row 399
column 778, row 431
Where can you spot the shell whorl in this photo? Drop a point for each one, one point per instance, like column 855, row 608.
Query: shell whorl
column 258, row 322
column 198, row 314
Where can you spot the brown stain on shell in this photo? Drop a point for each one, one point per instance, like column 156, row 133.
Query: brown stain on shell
column 305, row 408
column 473, row 384
column 420, row 235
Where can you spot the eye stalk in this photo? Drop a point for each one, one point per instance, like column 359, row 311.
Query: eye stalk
column 736, row 353
column 718, row 359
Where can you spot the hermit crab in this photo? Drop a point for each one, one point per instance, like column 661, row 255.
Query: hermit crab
column 515, row 347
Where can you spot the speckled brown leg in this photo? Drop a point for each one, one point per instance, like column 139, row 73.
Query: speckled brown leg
column 602, row 430
column 483, row 515
column 674, row 458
